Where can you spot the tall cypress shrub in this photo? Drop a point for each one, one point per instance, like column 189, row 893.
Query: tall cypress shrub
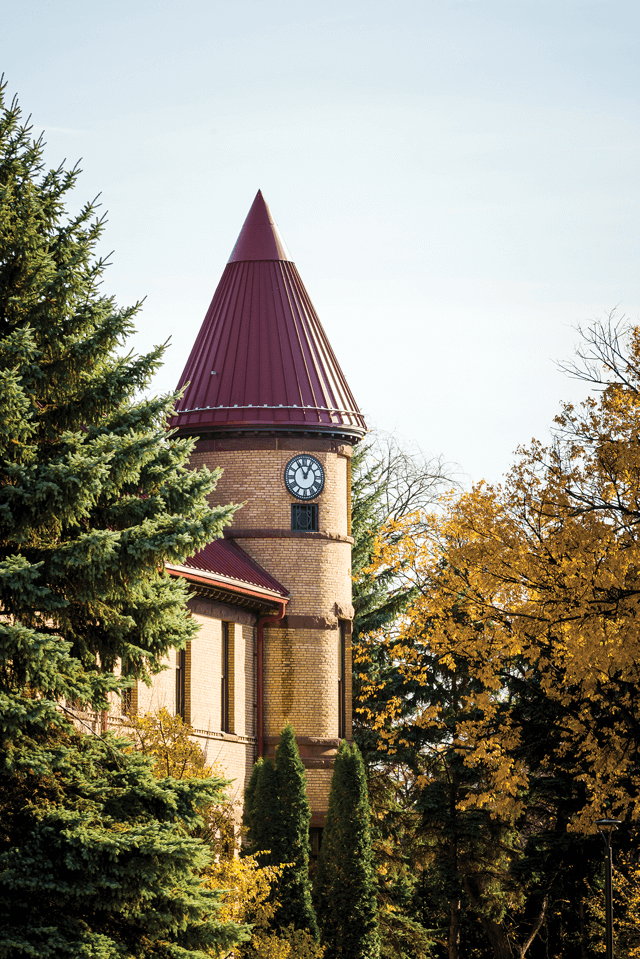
column 262, row 814
column 277, row 816
column 96, row 859
column 249, row 846
column 345, row 888
column 295, row 816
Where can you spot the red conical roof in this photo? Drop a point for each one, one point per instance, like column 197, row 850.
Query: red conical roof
column 259, row 237
column 262, row 360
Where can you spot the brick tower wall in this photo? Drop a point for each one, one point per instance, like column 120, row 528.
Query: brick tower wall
column 301, row 654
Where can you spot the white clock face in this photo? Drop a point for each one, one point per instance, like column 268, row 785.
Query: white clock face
column 304, row 476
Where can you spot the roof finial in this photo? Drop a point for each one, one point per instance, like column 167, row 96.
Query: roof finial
column 259, row 237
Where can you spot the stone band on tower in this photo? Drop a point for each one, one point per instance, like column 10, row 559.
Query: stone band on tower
column 268, row 402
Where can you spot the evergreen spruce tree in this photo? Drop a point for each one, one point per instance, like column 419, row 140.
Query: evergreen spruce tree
column 277, row 816
column 96, row 859
column 345, row 890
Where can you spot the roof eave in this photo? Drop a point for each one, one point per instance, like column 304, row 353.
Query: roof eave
column 226, row 583
column 212, row 430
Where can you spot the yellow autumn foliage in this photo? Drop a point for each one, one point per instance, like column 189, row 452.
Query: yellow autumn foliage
column 249, row 900
column 626, row 911
column 169, row 741
column 541, row 573
column 247, row 886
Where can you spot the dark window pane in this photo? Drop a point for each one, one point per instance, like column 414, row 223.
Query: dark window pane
column 181, row 675
column 224, row 685
column 304, row 517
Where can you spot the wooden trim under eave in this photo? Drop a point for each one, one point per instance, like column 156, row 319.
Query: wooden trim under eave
column 246, row 596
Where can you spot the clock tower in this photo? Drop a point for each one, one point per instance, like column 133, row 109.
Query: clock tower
column 268, row 403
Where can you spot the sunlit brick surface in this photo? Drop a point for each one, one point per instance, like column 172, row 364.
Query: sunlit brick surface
column 301, row 653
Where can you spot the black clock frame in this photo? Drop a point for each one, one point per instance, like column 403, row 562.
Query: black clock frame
column 311, row 460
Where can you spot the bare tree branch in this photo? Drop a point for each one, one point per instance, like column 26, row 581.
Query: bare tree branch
column 409, row 480
column 604, row 357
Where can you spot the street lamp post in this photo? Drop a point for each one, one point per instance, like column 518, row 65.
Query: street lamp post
column 606, row 827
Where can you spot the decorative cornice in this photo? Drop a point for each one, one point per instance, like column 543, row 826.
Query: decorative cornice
column 260, row 532
column 308, row 622
column 318, row 741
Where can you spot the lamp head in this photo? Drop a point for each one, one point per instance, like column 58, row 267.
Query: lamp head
column 608, row 823
column 606, row 827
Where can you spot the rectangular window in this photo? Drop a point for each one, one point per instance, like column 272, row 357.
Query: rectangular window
column 181, row 682
column 304, row 517
column 315, row 841
column 225, row 724
column 342, row 695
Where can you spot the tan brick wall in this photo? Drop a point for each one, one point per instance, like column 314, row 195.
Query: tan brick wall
column 234, row 752
column 206, row 675
column 318, row 788
column 317, row 573
column 301, row 681
column 235, row 757
column 301, row 676
column 300, row 655
column 162, row 694
column 255, row 477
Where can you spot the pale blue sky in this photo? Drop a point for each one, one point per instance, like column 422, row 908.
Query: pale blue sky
column 457, row 180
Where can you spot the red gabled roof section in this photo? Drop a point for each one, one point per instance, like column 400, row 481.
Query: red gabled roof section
column 262, row 361
column 224, row 563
